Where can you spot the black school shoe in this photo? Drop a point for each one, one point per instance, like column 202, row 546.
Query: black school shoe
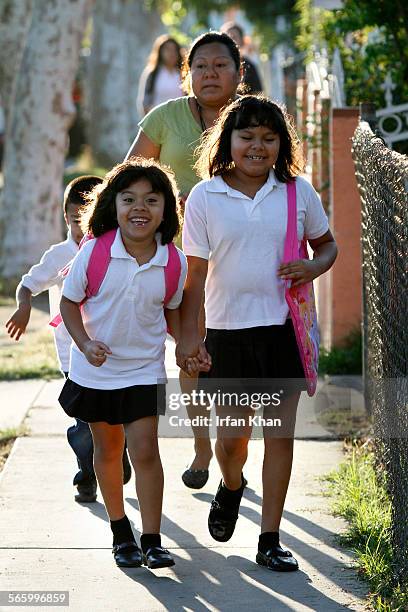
column 127, row 554
column 224, row 512
column 277, row 559
column 195, row 479
column 156, row 557
column 86, row 492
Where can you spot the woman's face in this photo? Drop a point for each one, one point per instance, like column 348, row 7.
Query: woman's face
column 214, row 75
column 169, row 54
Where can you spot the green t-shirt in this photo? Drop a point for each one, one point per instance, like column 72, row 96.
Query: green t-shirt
column 172, row 127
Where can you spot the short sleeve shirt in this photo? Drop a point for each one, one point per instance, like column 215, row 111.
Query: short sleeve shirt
column 243, row 240
column 173, row 127
column 126, row 314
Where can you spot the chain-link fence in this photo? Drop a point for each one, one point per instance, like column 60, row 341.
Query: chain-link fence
column 382, row 177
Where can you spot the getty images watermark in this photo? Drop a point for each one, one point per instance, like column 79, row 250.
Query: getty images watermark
column 204, row 400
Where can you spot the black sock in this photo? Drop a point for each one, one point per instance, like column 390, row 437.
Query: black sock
column 147, row 540
column 268, row 540
column 225, row 495
column 122, row 531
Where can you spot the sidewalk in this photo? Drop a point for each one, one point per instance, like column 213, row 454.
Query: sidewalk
column 51, row 543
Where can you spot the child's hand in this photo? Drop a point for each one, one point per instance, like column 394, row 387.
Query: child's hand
column 17, row 323
column 192, row 356
column 299, row 272
column 96, row 352
column 200, row 363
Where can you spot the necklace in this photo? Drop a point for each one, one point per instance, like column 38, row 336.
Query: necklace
column 200, row 114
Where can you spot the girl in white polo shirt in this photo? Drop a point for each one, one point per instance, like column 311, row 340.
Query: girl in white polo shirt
column 119, row 334
column 233, row 236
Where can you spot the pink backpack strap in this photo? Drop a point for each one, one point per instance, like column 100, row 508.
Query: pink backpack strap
column 172, row 273
column 97, row 266
column 99, row 262
column 291, row 250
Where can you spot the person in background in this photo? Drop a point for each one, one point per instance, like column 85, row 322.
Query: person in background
column 170, row 133
column 161, row 79
column 251, row 80
column 46, row 275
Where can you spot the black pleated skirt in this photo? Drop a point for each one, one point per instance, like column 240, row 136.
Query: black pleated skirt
column 115, row 407
column 254, row 359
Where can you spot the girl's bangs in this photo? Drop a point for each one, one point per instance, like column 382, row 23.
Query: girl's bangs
column 257, row 115
column 133, row 175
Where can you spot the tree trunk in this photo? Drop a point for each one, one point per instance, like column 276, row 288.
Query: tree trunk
column 123, row 34
column 15, row 19
column 36, row 138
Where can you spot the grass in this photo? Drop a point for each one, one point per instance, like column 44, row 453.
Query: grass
column 344, row 360
column 33, row 356
column 7, row 438
column 360, row 497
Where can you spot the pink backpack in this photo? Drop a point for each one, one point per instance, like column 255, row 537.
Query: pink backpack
column 301, row 299
column 99, row 262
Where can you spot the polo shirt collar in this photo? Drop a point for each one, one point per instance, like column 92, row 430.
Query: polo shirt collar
column 160, row 258
column 218, row 185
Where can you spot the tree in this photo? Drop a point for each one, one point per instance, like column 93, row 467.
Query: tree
column 123, row 33
column 372, row 39
column 40, row 112
column 15, row 19
column 263, row 14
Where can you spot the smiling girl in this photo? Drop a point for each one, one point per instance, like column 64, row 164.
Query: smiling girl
column 119, row 336
column 234, row 235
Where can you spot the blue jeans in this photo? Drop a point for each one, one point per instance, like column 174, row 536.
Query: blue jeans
column 80, row 439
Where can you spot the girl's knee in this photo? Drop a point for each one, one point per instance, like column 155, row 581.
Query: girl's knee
column 144, row 453
column 107, row 451
column 234, row 447
column 278, row 445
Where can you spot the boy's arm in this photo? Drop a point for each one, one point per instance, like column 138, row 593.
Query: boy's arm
column 17, row 323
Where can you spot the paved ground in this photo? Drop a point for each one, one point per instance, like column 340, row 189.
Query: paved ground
column 48, row 542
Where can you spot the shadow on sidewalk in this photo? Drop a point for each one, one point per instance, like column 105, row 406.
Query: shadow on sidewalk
column 321, row 561
column 208, row 579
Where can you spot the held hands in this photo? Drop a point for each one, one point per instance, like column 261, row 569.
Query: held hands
column 192, row 357
column 299, row 272
column 17, row 323
column 95, row 352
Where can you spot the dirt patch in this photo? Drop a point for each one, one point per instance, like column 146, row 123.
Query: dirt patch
column 5, row 450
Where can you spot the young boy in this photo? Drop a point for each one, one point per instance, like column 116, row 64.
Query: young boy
column 46, row 275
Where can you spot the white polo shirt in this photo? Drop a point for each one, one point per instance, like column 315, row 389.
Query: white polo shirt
column 127, row 314
column 243, row 239
column 45, row 275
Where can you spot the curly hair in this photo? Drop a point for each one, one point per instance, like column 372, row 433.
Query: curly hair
column 214, row 153
column 99, row 216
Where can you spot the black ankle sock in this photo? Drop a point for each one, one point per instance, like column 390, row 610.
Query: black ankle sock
column 267, row 540
column 122, row 531
column 147, row 540
column 226, row 495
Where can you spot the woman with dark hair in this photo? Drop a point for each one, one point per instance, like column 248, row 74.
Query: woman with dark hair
column 170, row 133
column 161, row 79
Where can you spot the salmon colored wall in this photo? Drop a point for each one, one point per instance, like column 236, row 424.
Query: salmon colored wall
column 339, row 291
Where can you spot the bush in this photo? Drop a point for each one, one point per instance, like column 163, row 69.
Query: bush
column 344, row 360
